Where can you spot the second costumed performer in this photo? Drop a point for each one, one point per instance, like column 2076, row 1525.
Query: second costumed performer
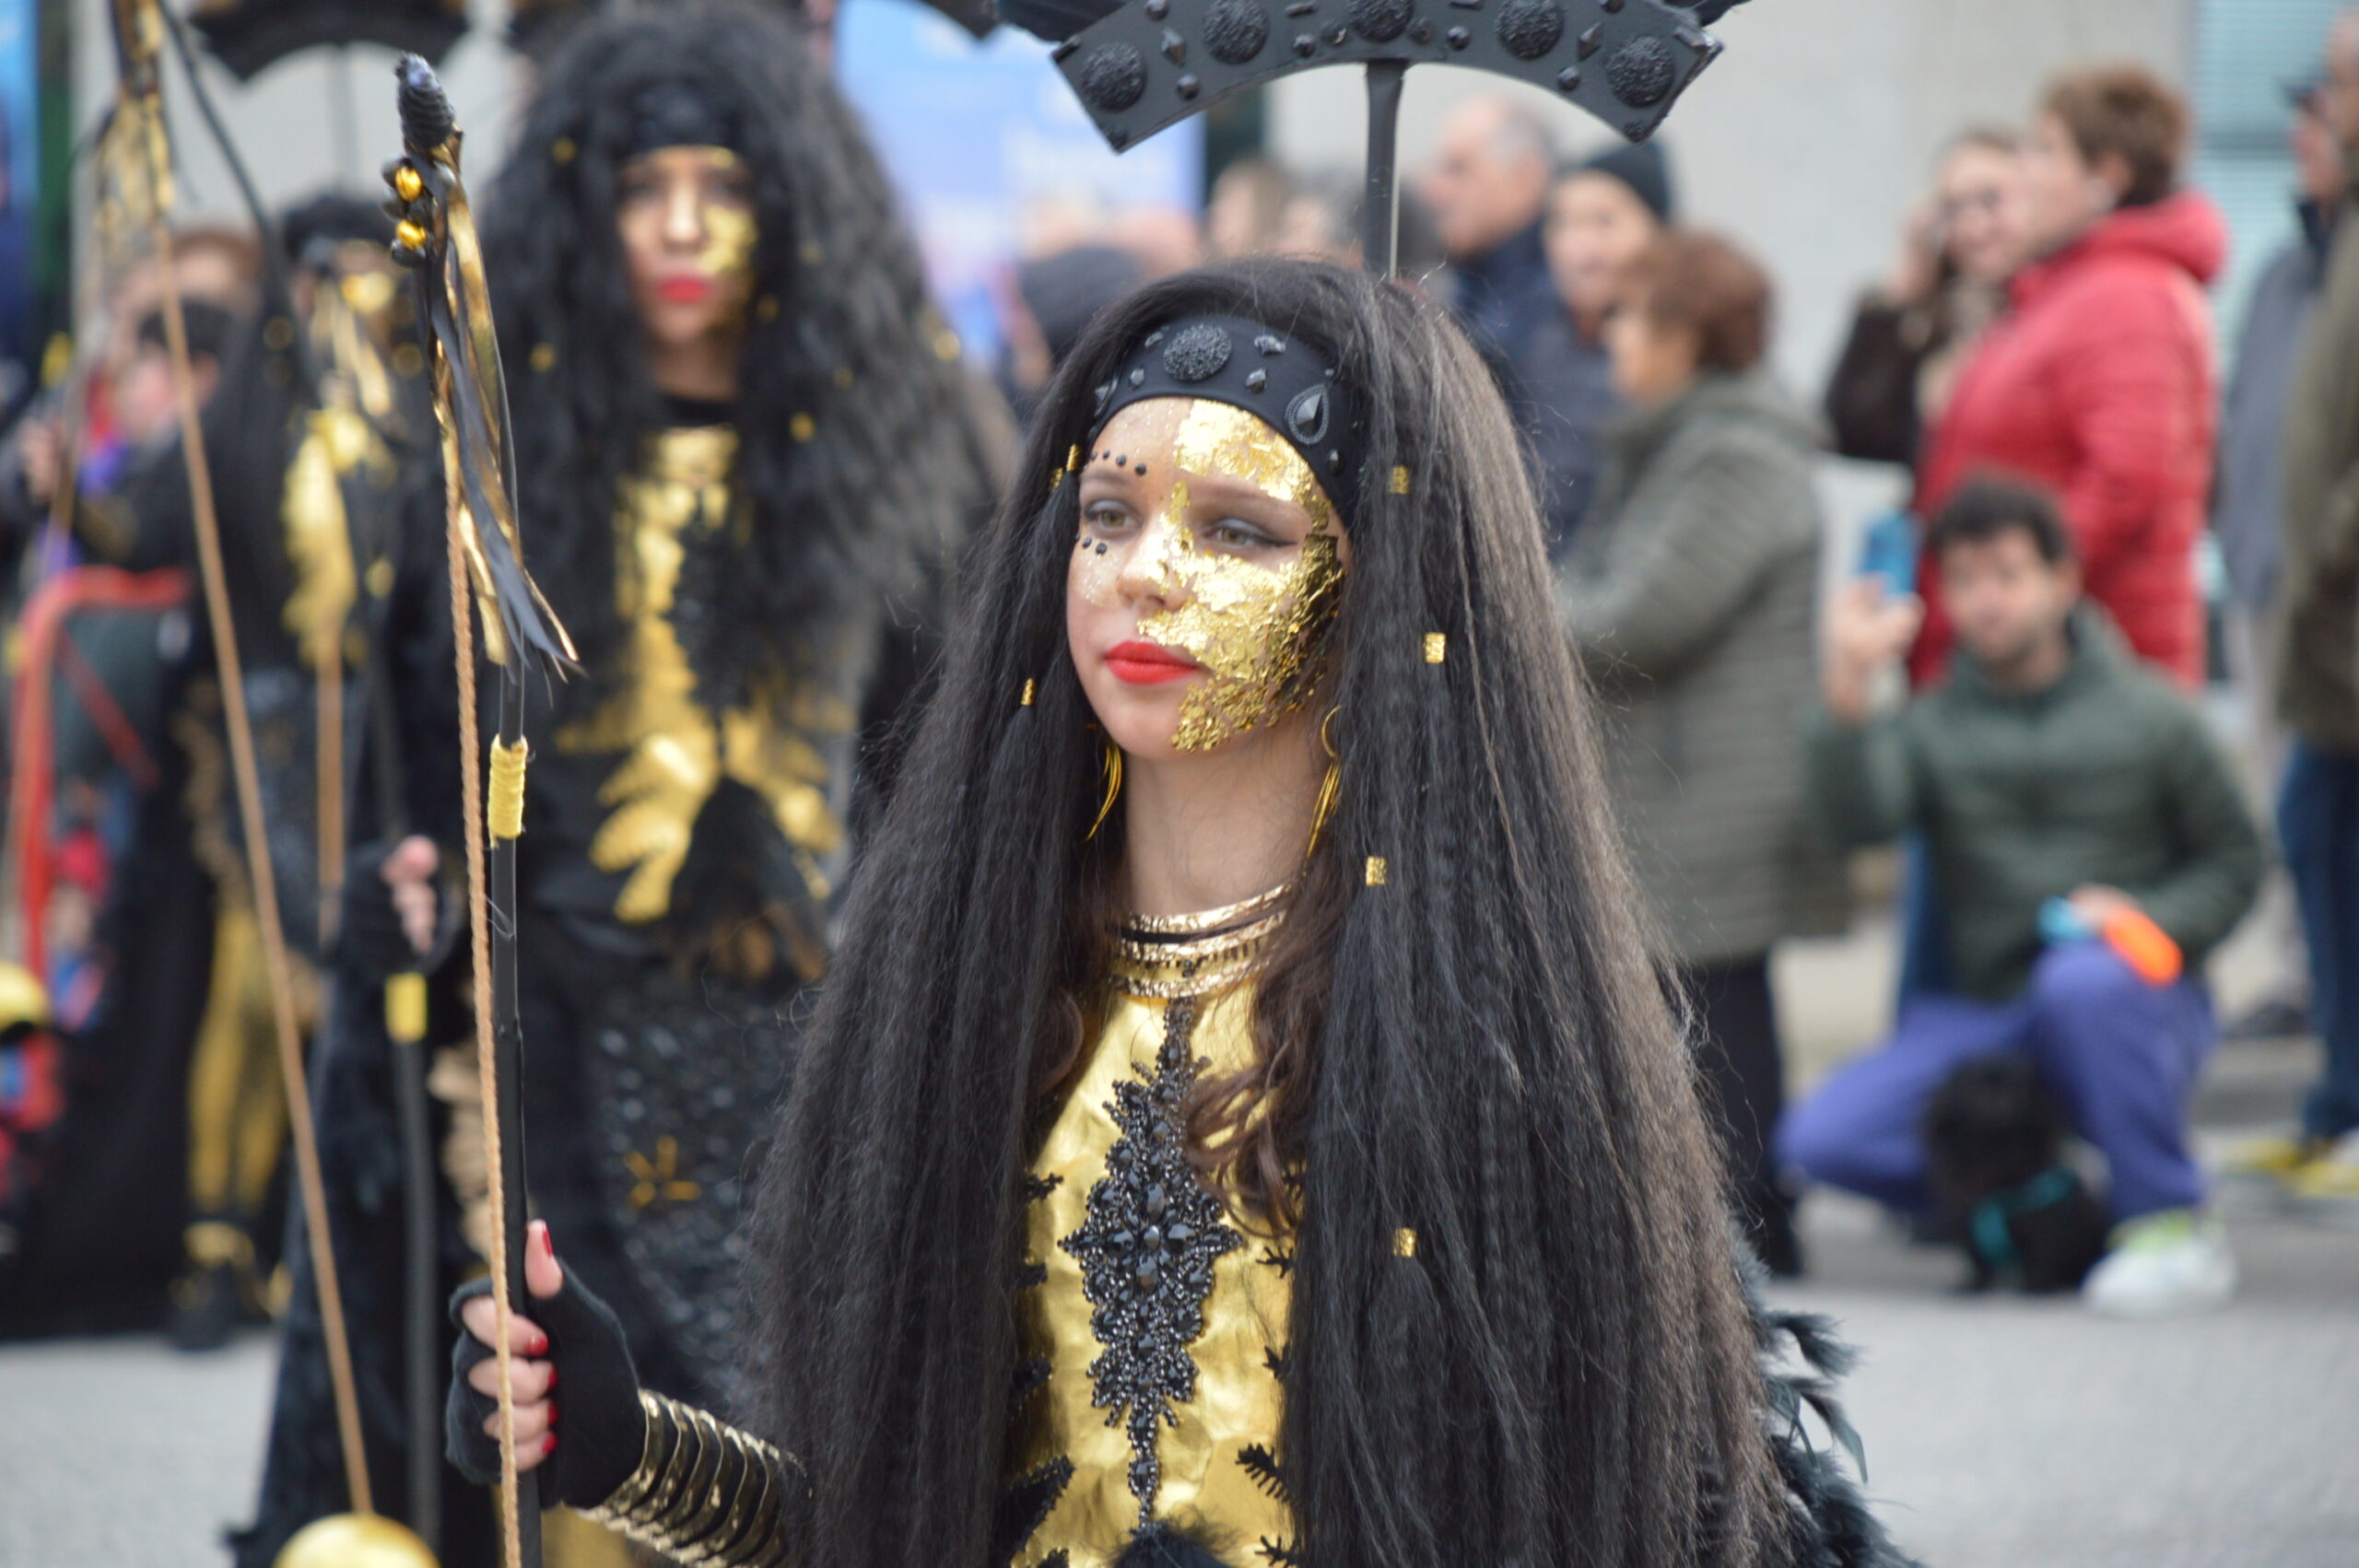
column 1242, row 1126
column 747, row 445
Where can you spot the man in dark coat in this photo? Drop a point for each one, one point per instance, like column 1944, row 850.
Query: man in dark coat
column 1488, row 191
column 2248, row 491
column 2317, row 660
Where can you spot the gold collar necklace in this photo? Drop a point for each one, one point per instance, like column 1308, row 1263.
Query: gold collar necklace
column 1161, row 957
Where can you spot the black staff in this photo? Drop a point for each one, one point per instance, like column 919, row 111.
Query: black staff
column 436, row 237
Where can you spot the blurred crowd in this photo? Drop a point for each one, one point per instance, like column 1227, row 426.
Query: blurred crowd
column 2003, row 680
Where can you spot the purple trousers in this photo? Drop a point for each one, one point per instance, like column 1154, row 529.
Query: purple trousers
column 2120, row 1055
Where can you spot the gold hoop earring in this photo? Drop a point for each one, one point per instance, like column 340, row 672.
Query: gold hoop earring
column 1113, row 773
column 1330, row 788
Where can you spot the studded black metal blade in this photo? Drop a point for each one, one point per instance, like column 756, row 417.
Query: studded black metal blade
column 1155, row 62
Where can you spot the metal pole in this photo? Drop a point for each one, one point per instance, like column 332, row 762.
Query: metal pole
column 1379, row 200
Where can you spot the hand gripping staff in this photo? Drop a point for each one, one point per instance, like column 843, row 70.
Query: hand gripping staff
column 435, row 237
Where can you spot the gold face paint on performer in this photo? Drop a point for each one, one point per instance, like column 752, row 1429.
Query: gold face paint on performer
column 687, row 220
column 1201, row 589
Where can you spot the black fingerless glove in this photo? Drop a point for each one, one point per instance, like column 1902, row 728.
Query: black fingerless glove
column 368, row 935
column 603, row 1429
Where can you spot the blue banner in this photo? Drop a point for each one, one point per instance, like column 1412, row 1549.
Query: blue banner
column 985, row 137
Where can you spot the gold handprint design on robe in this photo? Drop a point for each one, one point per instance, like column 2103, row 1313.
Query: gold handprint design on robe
column 679, row 749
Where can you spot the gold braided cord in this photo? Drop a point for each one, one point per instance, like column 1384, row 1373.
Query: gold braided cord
column 506, row 808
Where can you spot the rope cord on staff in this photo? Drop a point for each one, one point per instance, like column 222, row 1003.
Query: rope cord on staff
column 258, row 871
column 487, row 1064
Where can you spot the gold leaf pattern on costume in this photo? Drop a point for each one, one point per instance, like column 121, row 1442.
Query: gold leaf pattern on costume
column 659, row 1179
column 319, row 541
column 677, row 750
column 1215, row 1464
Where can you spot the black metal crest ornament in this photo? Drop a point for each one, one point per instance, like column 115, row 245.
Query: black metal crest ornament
column 1141, row 66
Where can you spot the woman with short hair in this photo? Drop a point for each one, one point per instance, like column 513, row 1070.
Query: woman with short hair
column 2099, row 381
column 1690, row 593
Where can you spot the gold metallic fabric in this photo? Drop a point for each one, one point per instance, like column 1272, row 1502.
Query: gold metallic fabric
column 677, row 750
column 1216, row 1461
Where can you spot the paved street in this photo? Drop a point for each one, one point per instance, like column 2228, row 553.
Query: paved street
column 2001, row 1433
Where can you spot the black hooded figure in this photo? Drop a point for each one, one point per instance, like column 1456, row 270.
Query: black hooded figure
column 750, row 555
column 1369, row 1218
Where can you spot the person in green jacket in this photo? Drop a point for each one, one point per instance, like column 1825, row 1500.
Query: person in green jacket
column 1689, row 594
column 2056, row 783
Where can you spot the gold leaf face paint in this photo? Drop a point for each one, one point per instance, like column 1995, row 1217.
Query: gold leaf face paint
column 728, row 253
column 676, row 198
column 1260, row 629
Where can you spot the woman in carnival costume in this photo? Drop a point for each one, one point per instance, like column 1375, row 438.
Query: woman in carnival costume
column 1242, row 1126
column 746, row 446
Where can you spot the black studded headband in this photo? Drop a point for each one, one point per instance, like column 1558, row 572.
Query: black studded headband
column 1285, row 382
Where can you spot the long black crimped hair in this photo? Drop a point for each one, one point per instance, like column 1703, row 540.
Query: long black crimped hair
column 1565, row 1370
column 857, row 449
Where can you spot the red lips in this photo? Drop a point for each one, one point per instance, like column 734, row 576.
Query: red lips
column 1148, row 665
column 685, row 290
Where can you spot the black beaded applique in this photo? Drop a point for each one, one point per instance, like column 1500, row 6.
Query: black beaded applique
column 1146, row 1253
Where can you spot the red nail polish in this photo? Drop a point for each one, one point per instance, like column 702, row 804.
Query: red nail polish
column 552, row 1376
column 548, row 1247
column 540, row 1347
column 552, row 1417
column 550, row 1444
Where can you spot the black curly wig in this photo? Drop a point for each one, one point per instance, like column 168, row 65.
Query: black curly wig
column 1566, row 1372
column 858, row 451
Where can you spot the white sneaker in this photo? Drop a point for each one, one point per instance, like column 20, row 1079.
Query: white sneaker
column 2163, row 1265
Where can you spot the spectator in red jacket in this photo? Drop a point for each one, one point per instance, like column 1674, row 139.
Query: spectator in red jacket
column 2099, row 381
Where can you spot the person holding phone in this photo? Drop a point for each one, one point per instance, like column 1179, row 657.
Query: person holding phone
column 1911, row 334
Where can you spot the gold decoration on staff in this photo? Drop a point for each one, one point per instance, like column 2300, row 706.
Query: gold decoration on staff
column 135, row 146
column 436, row 237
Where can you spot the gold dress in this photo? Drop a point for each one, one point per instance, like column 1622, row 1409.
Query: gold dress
column 1153, row 1317
column 679, row 731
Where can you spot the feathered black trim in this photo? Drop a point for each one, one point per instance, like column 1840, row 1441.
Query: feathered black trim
column 1830, row 1525
column 1161, row 1546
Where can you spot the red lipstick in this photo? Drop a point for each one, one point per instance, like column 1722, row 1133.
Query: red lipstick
column 1148, row 665
column 685, row 290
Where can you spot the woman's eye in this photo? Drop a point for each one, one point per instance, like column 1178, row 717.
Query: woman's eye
column 1106, row 515
column 1235, row 534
